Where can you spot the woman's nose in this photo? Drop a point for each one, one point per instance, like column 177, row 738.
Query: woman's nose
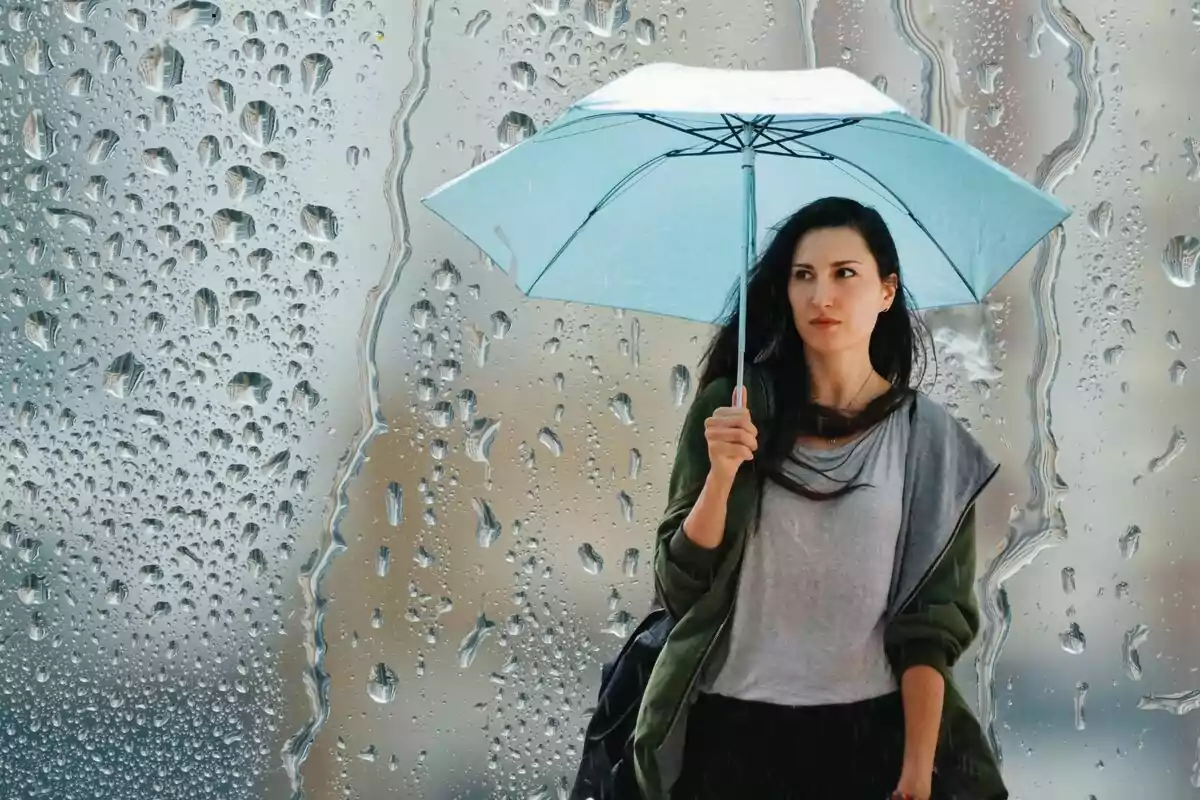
column 822, row 293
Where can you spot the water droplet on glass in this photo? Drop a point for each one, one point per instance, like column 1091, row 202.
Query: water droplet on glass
column 159, row 161
column 383, row 561
column 194, row 13
column 79, row 10
column 524, row 76
column 37, row 58
column 550, row 440
column 278, row 464
column 394, row 501
column 1175, row 446
column 33, row 591
column 514, row 128
column 681, row 384
column 1081, row 690
column 620, row 624
column 208, row 150
column 116, row 593
column 551, row 7
column 279, row 75
column 477, row 23
column 501, row 324
column 319, row 223
column 101, row 147
column 985, row 76
column 1135, row 637
column 487, row 527
column 622, row 408
column 315, row 69
column 1073, row 640
column 246, row 23
column 441, row 415
column 480, row 439
column 560, row 37
column 626, row 504
column 1177, row 373
column 161, row 68
column 643, row 31
column 231, row 226
column 57, row 217
column 260, row 259
column 1177, row 703
column 422, row 314
column 243, row 182
column 246, row 388
column 37, row 136
column 41, row 330
column 123, row 376
column 469, row 647
column 304, row 397
column 259, row 123
column 243, row 300
column 1100, row 219
column 317, row 9
column 164, row 112
column 79, row 83
column 107, row 58
column 1130, row 541
column 1068, row 580
column 255, row 50
column 603, row 17
column 221, row 95
column 629, row 564
column 382, row 685
column 446, row 276
column 1179, row 260
column 593, row 564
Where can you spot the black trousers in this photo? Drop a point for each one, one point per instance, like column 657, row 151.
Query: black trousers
column 739, row 749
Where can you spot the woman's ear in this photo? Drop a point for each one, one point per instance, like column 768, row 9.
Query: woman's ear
column 890, row 285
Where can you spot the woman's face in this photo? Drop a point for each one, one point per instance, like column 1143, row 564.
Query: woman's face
column 835, row 290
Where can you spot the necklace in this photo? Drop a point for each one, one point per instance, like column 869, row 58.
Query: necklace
column 845, row 407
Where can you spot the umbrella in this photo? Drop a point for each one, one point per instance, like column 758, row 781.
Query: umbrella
column 649, row 193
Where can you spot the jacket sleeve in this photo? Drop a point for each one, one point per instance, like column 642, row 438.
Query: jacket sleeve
column 683, row 570
column 942, row 620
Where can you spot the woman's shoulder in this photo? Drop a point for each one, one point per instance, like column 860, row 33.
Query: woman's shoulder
column 937, row 425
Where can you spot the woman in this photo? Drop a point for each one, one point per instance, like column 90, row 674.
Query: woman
column 818, row 550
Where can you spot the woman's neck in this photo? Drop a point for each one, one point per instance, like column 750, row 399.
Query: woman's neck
column 844, row 380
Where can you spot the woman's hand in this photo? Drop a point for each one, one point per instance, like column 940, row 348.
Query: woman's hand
column 913, row 787
column 732, row 439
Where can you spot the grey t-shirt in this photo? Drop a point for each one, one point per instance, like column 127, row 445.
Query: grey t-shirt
column 808, row 621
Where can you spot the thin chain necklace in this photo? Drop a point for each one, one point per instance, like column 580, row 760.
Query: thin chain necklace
column 845, row 406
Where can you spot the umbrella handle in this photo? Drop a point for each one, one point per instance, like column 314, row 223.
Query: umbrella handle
column 749, row 250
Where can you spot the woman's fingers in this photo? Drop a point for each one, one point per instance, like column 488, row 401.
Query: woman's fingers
column 738, row 436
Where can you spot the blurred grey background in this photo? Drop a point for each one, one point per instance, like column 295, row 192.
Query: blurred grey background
column 263, row 412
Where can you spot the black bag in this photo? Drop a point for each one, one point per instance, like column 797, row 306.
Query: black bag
column 606, row 768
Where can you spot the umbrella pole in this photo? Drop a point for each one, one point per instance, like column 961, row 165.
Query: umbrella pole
column 749, row 249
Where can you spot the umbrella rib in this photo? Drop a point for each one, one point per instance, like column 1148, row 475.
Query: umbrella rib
column 608, row 196
column 798, row 135
column 907, row 210
column 723, row 142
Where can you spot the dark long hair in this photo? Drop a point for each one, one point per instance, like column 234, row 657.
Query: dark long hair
column 897, row 347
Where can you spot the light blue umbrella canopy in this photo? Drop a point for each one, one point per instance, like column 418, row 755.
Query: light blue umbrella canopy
column 651, row 193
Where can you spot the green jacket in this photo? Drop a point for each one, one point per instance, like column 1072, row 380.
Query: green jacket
column 932, row 617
